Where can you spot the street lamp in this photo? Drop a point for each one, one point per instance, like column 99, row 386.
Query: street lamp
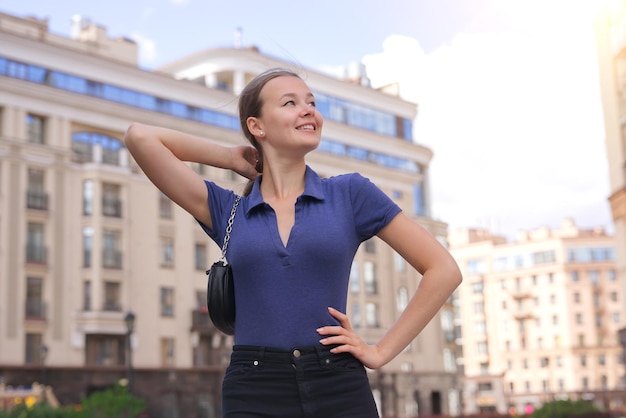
column 43, row 353
column 130, row 327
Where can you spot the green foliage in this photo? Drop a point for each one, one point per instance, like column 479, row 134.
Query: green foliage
column 564, row 409
column 38, row 411
column 116, row 402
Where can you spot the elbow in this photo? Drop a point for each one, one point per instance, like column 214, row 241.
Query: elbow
column 456, row 277
column 133, row 133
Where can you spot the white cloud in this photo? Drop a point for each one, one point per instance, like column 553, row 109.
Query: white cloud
column 147, row 49
column 514, row 120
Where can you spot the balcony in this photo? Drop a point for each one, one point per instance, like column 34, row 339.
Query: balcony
column 36, row 200
column 112, row 207
column 520, row 294
column 201, row 322
column 35, row 310
column 112, row 259
column 36, row 254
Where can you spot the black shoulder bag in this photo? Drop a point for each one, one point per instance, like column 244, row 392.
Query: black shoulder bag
column 220, row 297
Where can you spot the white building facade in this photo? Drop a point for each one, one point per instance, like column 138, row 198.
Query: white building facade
column 85, row 238
column 540, row 317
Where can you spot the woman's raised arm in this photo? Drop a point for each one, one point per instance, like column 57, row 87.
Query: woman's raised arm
column 161, row 153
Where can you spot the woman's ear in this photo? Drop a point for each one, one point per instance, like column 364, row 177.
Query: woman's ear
column 255, row 127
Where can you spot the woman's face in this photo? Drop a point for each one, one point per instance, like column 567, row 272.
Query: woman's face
column 289, row 117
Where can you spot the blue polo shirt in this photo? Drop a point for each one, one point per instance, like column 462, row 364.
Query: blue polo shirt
column 282, row 292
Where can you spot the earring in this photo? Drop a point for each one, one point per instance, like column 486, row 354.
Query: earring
column 262, row 133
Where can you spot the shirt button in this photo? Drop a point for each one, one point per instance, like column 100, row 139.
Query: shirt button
column 296, row 353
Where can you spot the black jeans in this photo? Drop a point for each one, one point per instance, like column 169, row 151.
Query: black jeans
column 303, row 382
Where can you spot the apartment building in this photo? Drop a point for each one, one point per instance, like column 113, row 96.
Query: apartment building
column 87, row 242
column 610, row 32
column 540, row 317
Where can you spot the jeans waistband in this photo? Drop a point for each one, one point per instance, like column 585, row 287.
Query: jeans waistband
column 283, row 355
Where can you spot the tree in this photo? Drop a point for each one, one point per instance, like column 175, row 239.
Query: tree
column 564, row 409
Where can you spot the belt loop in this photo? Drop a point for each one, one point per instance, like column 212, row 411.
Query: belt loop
column 321, row 354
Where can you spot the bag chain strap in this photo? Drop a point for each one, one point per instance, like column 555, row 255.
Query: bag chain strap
column 229, row 228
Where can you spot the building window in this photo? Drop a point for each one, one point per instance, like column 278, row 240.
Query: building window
column 36, row 197
column 403, row 298
column 167, row 301
column 35, row 249
column 479, row 307
column 165, row 207
column 87, row 246
column 87, row 197
column 399, row 263
column 35, row 126
column 167, row 252
column 484, row 369
column 112, row 296
column 34, row 298
column 419, row 201
column 480, row 328
column 574, row 275
column 594, row 277
column 105, row 350
column 369, row 277
column 579, row 318
column 613, row 296
column 481, row 347
column 85, row 144
column 111, row 201
column 449, row 361
column 477, row 287
column 200, row 259
column 199, row 168
column 576, row 297
column 201, row 300
column 581, row 340
column 355, row 285
column 611, row 276
column 87, row 295
column 32, row 353
column 370, row 246
column 111, row 254
column 167, row 352
column 371, row 315
column 356, row 315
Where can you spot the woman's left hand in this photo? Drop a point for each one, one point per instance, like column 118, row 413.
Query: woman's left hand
column 347, row 341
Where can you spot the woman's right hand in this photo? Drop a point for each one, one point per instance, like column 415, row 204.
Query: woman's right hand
column 244, row 161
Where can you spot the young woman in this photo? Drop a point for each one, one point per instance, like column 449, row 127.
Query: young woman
column 291, row 248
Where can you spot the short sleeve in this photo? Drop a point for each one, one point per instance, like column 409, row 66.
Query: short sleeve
column 373, row 209
column 220, row 203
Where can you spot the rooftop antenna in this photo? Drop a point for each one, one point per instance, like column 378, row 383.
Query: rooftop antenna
column 77, row 23
column 238, row 37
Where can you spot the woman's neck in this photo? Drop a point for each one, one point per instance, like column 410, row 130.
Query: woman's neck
column 283, row 181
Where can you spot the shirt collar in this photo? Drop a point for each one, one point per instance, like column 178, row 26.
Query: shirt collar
column 312, row 188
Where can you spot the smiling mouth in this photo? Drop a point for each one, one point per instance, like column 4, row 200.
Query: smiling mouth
column 307, row 127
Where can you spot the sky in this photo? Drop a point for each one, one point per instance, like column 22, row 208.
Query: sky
column 507, row 90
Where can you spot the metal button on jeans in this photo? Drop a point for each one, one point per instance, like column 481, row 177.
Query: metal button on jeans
column 296, row 353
